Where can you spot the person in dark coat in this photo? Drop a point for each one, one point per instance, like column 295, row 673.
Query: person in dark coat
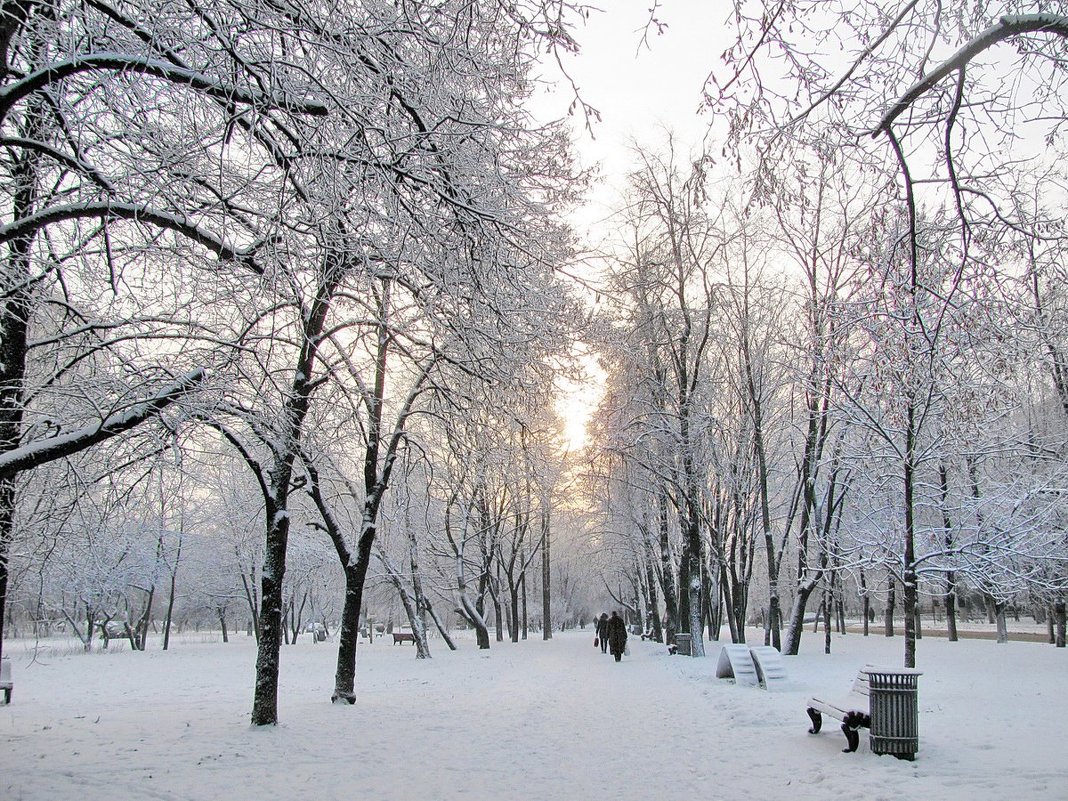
column 617, row 635
column 602, row 632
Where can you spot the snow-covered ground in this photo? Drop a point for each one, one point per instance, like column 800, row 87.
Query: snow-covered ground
column 546, row 721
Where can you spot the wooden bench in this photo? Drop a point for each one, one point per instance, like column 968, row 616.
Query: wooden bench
column 6, row 683
column 854, row 710
column 403, row 636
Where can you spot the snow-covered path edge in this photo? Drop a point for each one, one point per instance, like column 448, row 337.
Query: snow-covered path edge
column 550, row 720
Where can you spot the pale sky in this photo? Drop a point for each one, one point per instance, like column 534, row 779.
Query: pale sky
column 640, row 91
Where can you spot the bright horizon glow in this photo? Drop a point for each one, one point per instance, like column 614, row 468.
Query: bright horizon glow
column 576, row 402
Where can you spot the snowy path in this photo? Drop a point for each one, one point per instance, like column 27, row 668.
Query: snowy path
column 552, row 721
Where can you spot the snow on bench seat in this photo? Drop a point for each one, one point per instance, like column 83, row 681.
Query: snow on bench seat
column 854, row 710
column 6, row 682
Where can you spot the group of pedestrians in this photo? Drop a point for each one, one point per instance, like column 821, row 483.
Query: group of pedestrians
column 611, row 635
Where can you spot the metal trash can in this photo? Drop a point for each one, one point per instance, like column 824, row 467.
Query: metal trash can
column 683, row 644
column 895, row 718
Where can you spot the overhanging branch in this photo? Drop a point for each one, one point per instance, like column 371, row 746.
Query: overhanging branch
column 1006, row 28
column 44, row 451
column 179, row 223
column 123, row 62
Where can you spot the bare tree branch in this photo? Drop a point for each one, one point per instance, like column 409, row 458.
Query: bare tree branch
column 48, row 450
column 1006, row 28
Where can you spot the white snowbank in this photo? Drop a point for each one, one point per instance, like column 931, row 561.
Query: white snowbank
column 553, row 721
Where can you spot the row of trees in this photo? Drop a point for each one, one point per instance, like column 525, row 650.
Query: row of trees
column 158, row 561
column 317, row 238
column 848, row 361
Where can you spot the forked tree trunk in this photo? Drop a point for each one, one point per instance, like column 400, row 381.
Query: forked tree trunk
column 999, row 617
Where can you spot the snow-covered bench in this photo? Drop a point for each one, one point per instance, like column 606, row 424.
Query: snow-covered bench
column 6, row 683
column 854, row 710
column 403, row 636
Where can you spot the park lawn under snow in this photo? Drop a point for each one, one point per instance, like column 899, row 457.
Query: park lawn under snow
column 551, row 721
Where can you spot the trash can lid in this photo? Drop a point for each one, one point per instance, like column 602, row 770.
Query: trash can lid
column 888, row 669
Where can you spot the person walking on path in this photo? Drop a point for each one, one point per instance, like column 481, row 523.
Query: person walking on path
column 602, row 632
column 617, row 635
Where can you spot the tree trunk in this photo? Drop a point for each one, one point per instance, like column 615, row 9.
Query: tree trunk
column 470, row 609
column 494, row 585
column 888, row 615
column 1002, row 626
column 546, row 597
column 774, row 622
column 441, row 629
column 1059, row 614
column 513, row 609
column 828, row 603
column 523, row 583
column 415, row 604
column 792, row 641
column 411, row 608
column 7, row 512
column 908, row 576
column 949, row 597
column 684, row 595
column 654, row 628
column 667, row 566
column 222, row 622
column 717, row 611
column 725, row 595
column 170, row 611
column 694, row 583
column 349, row 633
column 269, row 646
column 248, row 584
